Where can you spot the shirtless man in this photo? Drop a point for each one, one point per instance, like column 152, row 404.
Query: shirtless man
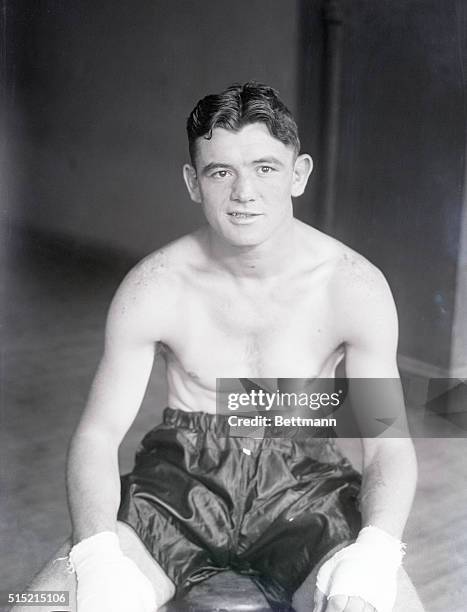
column 254, row 293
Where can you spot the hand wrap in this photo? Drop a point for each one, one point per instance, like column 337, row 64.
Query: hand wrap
column 108, row 581
column 367, row 569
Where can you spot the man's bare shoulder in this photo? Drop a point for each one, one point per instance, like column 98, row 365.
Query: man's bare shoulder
column 150, row 291
column 343, row 264
column 354, row 274
column 348, row 269
column 162, row 270
column 361, row 287
column 359, row 292
column 357, row 288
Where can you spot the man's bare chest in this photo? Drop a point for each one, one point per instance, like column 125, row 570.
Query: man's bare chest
column 274, row 333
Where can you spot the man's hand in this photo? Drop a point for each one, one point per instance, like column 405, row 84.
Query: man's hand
column 108, row 581
column 362, row 576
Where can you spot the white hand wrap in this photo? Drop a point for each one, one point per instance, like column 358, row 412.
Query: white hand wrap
column 366, row 569
column 108, row 581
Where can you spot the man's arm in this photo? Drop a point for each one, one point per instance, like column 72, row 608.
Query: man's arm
column 107, row 579
column 116, row 394
column 389, row 463
column 367, row 570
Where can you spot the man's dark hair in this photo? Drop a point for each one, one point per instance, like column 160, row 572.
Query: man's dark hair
column 240, row 105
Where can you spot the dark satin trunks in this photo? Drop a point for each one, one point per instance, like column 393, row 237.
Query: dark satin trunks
column 204, row 501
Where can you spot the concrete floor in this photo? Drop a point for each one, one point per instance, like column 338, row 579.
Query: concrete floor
column 55, row 303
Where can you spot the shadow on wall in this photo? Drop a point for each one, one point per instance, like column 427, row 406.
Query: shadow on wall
column 398, row 107
column 101, row 101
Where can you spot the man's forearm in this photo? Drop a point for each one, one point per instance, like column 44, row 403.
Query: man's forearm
column 93, row 485
column 389, row 481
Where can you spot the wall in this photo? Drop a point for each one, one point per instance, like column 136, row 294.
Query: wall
column 101, row 98
column 400, row 170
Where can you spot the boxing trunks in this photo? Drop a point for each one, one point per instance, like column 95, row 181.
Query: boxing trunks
column 203, row 501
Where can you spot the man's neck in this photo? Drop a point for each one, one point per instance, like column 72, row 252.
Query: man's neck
column 264, row 261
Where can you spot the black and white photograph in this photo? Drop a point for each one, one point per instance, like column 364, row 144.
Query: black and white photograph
column 233, row 306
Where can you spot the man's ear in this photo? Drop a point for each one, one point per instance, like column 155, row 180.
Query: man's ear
column 191, row 182
column 302, row 170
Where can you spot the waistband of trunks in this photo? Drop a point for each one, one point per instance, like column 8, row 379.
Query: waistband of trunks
column 198, row 421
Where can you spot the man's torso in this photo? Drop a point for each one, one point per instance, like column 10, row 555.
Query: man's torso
column 217, row 325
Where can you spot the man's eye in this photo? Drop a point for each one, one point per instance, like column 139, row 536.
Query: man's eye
column 220, row 173
column 266, row 169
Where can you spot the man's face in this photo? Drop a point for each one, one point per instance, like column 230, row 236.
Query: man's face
column 245, row 181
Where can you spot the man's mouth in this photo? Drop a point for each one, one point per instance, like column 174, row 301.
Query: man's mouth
column 243, row 215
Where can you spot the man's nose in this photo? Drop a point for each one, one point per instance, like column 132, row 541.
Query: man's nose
column 242, row 189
